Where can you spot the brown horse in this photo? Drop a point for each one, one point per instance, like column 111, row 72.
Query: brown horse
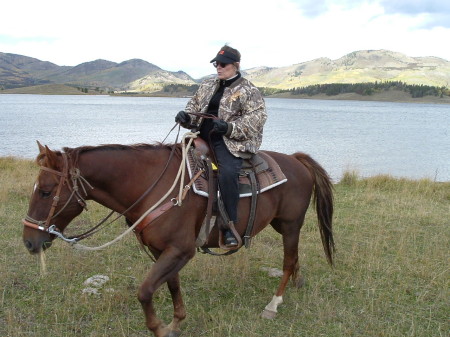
column 116, row 176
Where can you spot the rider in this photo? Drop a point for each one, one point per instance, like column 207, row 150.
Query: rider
column 236, row 133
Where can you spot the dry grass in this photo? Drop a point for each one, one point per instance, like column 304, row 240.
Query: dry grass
column 390, row 279
column 45, row 89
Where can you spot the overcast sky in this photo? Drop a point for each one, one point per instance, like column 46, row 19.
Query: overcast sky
column 186, row 34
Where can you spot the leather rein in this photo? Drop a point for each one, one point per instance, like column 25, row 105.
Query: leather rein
column 77, row 179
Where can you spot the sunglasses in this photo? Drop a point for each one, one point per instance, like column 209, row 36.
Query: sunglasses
column 222, row 65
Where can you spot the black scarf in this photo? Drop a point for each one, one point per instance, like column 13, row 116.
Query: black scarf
column 213, row 107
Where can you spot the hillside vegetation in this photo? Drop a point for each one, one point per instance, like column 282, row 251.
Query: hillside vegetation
column 391, row 275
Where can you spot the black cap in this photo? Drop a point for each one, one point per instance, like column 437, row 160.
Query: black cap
column 225, row 57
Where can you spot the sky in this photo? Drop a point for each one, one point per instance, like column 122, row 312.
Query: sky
column 185, row 35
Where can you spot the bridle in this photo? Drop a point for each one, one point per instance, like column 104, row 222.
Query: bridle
column 65, row 176
column 74, row 175
column 78, row 180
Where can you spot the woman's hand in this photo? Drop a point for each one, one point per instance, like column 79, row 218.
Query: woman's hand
column 220, row 127
column 182, row 118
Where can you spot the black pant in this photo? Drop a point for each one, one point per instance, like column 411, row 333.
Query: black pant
column 229, row 167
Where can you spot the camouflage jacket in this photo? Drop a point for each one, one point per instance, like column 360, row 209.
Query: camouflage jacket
column 242, row 105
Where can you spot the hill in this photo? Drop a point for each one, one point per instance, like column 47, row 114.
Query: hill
column 157, row 80
column 140, row 76
column 135, row 74
column 21, row 71
column 356, row 67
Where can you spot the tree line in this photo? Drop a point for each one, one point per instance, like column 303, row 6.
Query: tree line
column 176, row 88
column 332, row 89
column 366, row 88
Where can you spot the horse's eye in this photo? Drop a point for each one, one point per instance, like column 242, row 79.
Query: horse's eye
column 44, row 194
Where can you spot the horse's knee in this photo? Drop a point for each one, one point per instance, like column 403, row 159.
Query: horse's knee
column 180, row 314
column 145, row 294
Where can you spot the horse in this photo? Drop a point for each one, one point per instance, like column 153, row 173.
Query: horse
column 118, row 176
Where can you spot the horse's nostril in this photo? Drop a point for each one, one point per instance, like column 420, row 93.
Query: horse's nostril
column 28, row 244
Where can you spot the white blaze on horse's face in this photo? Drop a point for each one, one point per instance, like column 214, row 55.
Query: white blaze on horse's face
column 35, row 187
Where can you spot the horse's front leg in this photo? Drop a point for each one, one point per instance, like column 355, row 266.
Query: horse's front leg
column 179, row 310
column 164, row 270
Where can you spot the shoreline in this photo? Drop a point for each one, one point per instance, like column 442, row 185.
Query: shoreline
column 385, row 96
column 393, row 96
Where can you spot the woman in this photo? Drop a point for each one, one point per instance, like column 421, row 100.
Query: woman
column 236, row 134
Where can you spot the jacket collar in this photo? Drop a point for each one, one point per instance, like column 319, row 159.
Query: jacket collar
column 231, row 82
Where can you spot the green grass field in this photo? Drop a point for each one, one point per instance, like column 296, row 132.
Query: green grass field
column 391, row 276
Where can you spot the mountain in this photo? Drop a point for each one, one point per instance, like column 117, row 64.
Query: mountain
column 21, row 71
column 105, row 74
column 356, row 67
column 137, row 75
column 156, row 80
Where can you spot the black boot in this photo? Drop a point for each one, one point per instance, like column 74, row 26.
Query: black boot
column 229, row 239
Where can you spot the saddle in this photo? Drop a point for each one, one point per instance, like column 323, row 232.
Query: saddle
column 259, row 173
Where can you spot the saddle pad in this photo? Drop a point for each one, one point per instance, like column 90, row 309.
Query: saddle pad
column 268, row 179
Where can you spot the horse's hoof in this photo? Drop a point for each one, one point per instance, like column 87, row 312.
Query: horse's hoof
column 268, row 314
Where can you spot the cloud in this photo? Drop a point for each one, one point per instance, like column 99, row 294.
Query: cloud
column 436, row 12
column 185, row 35
column 415, row 6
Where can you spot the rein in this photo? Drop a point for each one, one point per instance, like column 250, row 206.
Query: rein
column 96, row 228
column 176, row 201
column 76, row 177
column 203, row 115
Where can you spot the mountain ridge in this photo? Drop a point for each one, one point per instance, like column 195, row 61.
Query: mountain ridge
column 137, row 75
column 356, row 67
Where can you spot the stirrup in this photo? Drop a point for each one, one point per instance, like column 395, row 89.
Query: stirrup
column 222, row 243
column 230, row 240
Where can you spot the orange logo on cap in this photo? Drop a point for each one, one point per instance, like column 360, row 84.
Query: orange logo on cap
column 222, row 52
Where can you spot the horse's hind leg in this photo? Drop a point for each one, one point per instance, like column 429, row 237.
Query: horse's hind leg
column 290, row 232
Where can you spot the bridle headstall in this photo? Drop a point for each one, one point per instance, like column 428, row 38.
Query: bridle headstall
column 78, row 180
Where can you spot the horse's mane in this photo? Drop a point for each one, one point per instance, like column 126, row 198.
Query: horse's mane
column 117, row 147
column 74, row 153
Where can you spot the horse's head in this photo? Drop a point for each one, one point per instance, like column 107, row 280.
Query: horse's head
column 54, row 202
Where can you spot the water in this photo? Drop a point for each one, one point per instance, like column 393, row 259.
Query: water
column 400, row 139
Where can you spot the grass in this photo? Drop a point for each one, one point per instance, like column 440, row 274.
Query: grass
column 45, row 89
column 391, row 276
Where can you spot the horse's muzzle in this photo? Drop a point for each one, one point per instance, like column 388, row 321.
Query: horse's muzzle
column 35, row 247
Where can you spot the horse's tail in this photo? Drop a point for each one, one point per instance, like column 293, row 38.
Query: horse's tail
column 323, row 200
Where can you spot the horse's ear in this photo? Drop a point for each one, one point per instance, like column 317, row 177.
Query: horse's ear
column 41, row 148
column 52, row 158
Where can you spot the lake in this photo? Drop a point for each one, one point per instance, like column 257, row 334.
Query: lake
column 401, row 139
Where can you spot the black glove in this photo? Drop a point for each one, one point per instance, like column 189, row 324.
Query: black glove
column 220, row 126
column 182, row 118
